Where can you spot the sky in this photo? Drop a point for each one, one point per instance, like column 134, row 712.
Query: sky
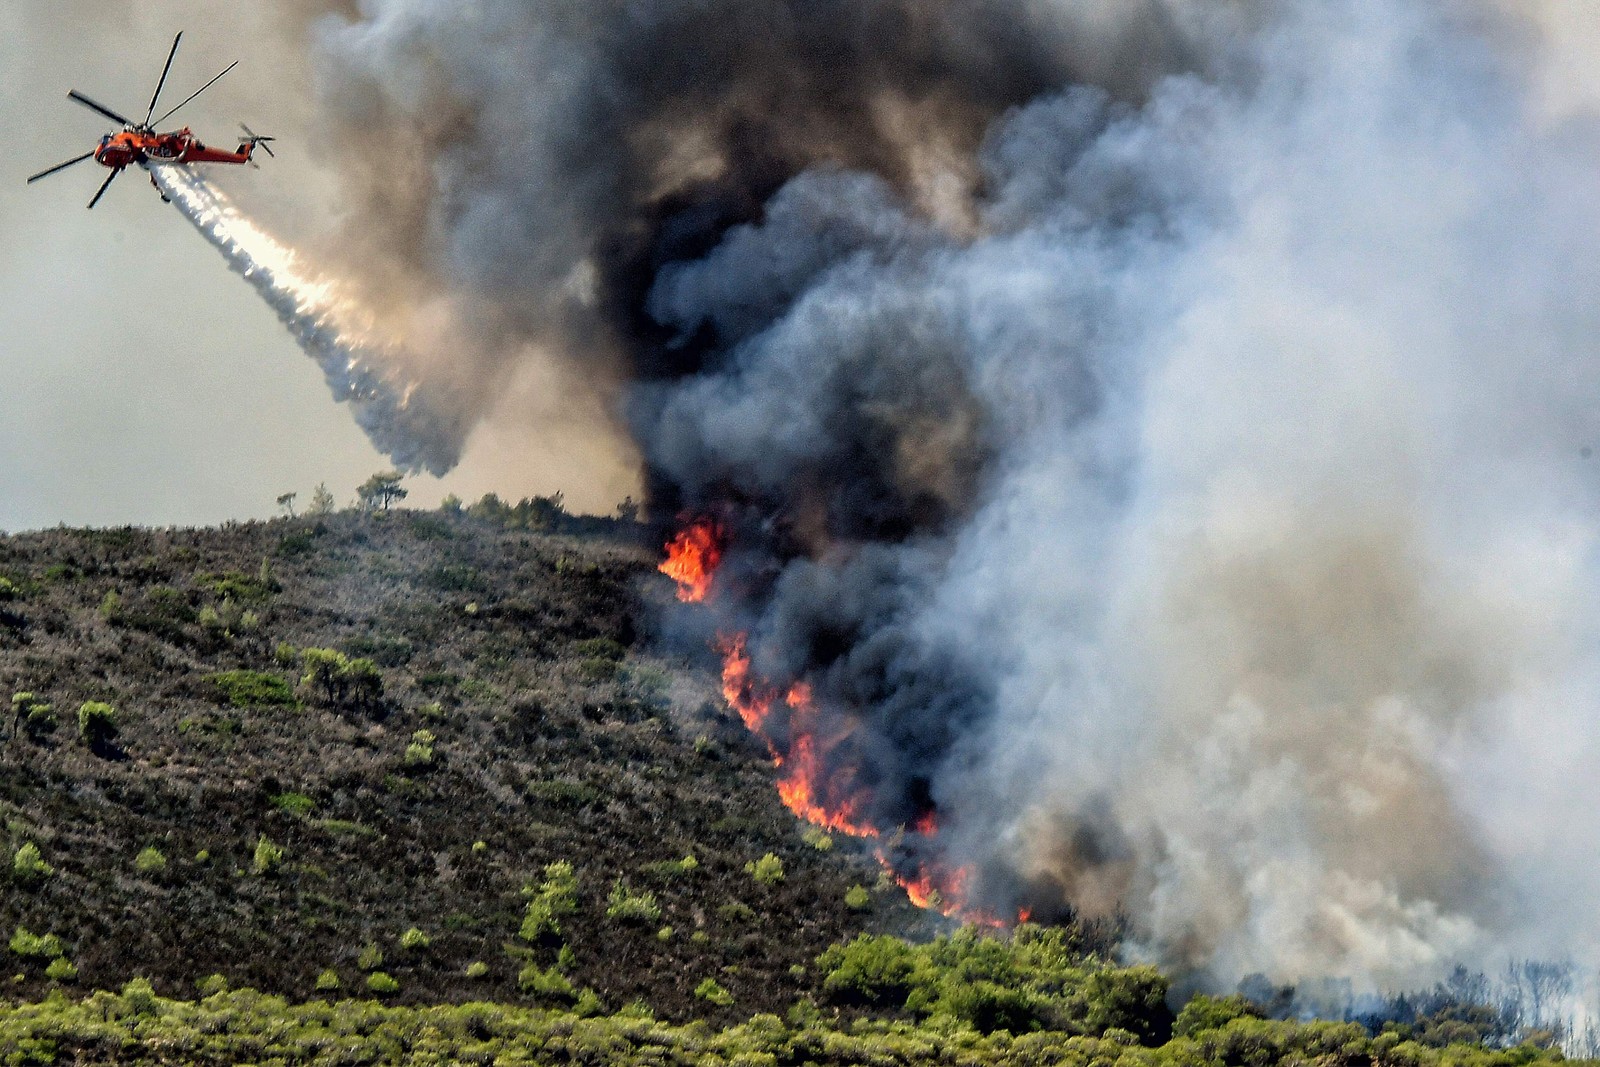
column 141, row 382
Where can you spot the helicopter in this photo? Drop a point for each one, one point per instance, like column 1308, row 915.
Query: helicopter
column 139, row 143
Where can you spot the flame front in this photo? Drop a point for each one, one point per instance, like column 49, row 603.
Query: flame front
column 692, row 559
column 804, row 743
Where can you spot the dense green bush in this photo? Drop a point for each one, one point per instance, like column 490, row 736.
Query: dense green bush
column 555, row 898
column 414, row 939
column 328, row 981
column 371, row 957
column 341, row 680
column 150, row 860
column 871, row 970
column 33, row 714
column 28, row 867
column 628, row 906
column 61, row 970
column 546, row 983
column 28, row 945
column 254, row 689
column 382, row 984
column 297, row 804
column 565, row 1026
column 267, row 857
column 768, row 870
column 97, row 722
column 711, row 991
column 856, row 898
column 419, row 753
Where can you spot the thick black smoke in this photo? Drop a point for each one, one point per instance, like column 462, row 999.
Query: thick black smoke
column 1152, row 430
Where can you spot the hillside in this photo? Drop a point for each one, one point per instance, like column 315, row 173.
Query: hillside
column 557, row 736
column 425, row 787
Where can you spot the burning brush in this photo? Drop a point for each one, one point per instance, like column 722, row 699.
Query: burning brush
column 811, row 748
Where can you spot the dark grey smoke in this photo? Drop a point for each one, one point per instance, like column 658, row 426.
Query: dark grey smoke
column 1154, row 430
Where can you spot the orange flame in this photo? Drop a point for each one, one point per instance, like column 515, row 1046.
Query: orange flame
column 807, row 787
column 692, row 560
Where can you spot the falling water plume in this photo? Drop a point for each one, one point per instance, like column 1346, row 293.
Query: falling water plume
column 330, row 327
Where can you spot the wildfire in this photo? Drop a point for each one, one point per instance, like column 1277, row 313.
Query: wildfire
column 692, row 559
column 801, row 739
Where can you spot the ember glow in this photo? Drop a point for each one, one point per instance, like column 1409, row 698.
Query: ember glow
column 810, row 747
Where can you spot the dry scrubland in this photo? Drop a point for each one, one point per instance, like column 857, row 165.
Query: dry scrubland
column 436, row 764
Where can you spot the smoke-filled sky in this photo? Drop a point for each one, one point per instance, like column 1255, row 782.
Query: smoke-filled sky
column 1159, row 435
column 143, row 382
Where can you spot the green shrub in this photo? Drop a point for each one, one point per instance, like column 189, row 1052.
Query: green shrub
column 414, row 939
column 664, row 934
column 1211, row 1013
column 546, row 983
column 297, row 804
column 371, row 957
column 139, row 997
column 987, row 1006
column 254, row 689
column 477, row 969
column 871, row 969
column 818, row 838
column 97, row 722
column 211, row 985
column 382, row 984
column 671, row 869
column 711, row 991
column 556, row 896
column 856, row 898
column 33, row 946
column 8, row 589
column 1132, row 999
column 625, row 905
column 341, row 680
column 61, row 970
column 110, row 606
column 736, row 911
column 28, row 867
column 768, row 870
column 419, row 753
column 150, row 860
column 328, row 981
column 286, row 655
column 267, row 858
column 36, row 715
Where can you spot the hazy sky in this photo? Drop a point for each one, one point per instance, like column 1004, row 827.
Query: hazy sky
column 140, row 381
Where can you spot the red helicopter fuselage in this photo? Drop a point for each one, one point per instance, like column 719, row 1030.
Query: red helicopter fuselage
column 130, row 147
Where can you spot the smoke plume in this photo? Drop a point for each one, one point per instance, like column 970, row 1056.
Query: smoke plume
column 1146, row 444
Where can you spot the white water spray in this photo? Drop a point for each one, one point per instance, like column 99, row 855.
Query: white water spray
column 359, row 367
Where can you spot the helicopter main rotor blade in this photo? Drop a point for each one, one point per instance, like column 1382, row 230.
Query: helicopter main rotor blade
column 61, row 166
column 104, row 187
column 92, row 106
column 164, row 72
column 194, row 94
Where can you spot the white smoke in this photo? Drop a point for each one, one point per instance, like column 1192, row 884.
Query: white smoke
column 1308, row 614
column 360, row 368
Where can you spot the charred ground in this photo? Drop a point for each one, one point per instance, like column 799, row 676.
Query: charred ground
column 558, row 736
